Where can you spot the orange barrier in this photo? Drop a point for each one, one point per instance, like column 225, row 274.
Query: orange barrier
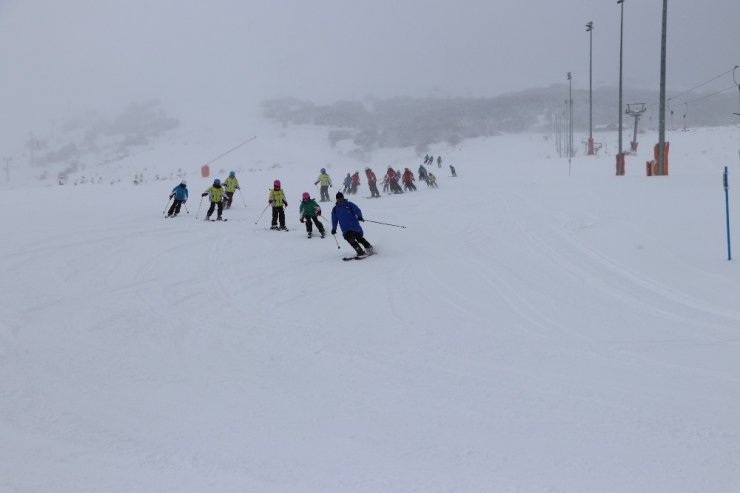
column 651, row 168
column 620, row 164
column 205, row 171
column 666, row 148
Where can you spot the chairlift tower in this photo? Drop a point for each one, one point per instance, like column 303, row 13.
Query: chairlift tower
column 635, row 110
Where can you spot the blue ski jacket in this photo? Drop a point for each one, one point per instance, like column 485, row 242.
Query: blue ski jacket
column 180, row 192
column 346, row 214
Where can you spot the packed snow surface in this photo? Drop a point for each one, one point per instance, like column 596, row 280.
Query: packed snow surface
column 537, row 326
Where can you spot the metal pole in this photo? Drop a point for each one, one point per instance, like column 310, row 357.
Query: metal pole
column 621, row 32
column 570, row 120
column 727, row 213
column 661, row 117
column 590, row 29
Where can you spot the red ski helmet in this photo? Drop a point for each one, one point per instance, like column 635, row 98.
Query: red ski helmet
column 306, row 196
column 276, row 183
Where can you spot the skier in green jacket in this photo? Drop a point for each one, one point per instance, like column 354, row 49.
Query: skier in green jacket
column 310, row 212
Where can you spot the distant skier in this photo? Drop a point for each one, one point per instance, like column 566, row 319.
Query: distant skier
column 325, row 180
column 347, row 183
column 277, row 200
column 452, row 170
column 372, row 182
column 439, row 161
column 216, row 194
column 408, row 180
column 231, row 185
column 310, row 212
column 349, row 217
column 432, row 181
column 393, row 180
column 179, row 195
column 355, row 182
column 423, row 175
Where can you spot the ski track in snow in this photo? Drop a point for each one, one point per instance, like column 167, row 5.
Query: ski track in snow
column 512, row 337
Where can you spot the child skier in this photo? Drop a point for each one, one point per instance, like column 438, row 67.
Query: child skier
column 347, row 183
column 423, row 175
column 355, row 182
column 325, row 180
column 232, row 184
column 408, row 180
column 349, row 217
column 216, row 195
column 278, row 202
column 372, row 182
column 180, row 196
column 310, row 212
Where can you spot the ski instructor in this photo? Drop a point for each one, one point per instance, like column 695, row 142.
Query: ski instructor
column 349, row 217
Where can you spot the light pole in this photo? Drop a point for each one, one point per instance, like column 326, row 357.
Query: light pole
column 570, row 120
column 661, row 111
column 621, row 32
column 590, row 31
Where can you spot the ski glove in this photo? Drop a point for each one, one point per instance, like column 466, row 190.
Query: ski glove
column 318, row 213
column 333, row 231
column 361, row 219
column 269, row 201
column 172, row 195
column 204, row 194
column 301, row 219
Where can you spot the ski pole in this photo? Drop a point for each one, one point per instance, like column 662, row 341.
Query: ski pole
column 186, row 207
column 263, row 211
column 198, row 211
column 166, row 205
column 386, row 224
column 242, row 196
column 337, row 241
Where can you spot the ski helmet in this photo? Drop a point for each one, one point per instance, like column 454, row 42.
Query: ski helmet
column 184, row 182
column 323, row 170
column 216, row 181
column 276, row 183
column 231, row 173
column 306, row 196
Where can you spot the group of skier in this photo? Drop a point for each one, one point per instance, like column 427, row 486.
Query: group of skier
column 345, row 214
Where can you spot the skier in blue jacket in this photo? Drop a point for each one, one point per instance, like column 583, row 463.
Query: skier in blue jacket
column 349, row 217
column 180, row 196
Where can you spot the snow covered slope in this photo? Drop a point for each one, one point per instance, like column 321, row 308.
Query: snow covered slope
column 529, row 330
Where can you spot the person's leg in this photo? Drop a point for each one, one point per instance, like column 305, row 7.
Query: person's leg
column 351, row 237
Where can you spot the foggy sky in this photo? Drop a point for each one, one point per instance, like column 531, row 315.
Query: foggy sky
column 205, row 57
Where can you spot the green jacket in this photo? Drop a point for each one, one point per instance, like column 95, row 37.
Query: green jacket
column 309, row 208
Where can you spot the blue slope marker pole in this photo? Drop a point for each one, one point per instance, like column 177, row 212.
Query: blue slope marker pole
column 727, row 213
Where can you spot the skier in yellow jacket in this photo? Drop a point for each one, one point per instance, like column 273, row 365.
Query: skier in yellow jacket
column 216, row 194
column 278, row 203
column 232, row 185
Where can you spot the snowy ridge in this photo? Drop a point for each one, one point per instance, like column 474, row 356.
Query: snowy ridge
column 527, row 331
